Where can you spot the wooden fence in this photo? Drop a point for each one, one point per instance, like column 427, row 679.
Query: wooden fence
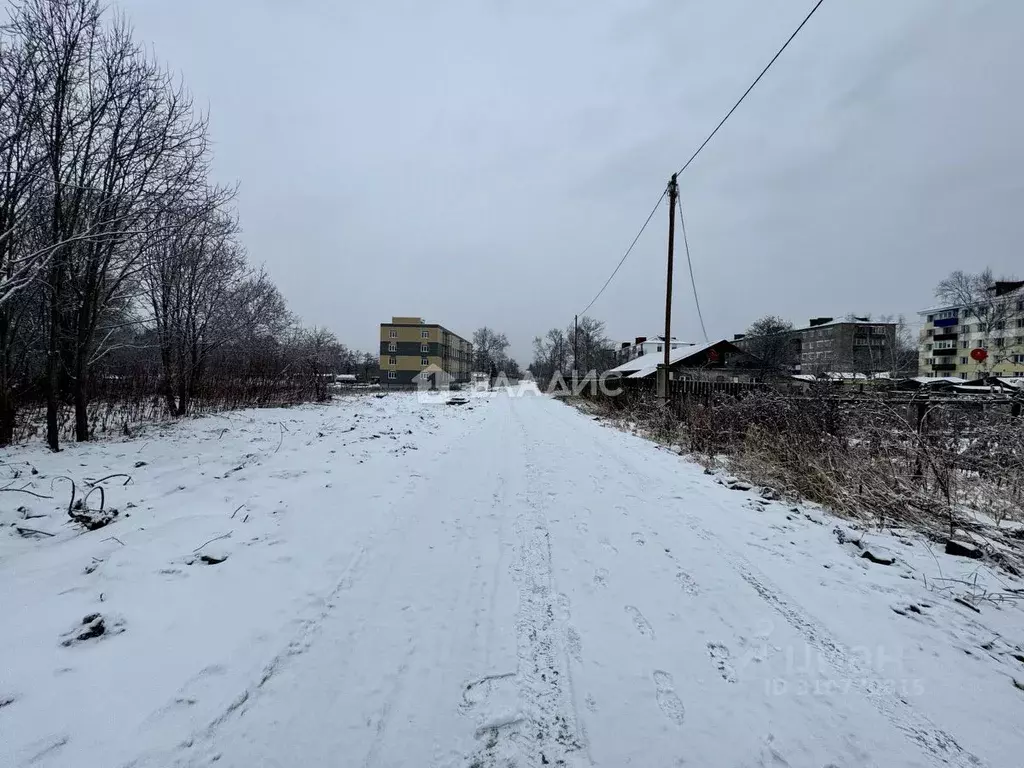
column 682, row 392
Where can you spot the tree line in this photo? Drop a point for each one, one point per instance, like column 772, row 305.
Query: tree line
column 490, row 353
column 583, row 346
column 120, row 258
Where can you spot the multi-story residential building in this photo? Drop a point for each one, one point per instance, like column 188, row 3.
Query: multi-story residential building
column 643, row 345
column 409, row 345
column 993, row 323
column 826, row 345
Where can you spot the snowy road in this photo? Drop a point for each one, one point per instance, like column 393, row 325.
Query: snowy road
column 531, row 587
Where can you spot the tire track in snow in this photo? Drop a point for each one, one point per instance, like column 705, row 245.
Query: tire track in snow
column 551, row 734
column 384, row 718
column 940, row 747
column 188, row 751
column 918, row 728
column 300, row 643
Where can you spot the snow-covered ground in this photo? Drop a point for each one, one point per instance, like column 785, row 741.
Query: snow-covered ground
column 507, row 582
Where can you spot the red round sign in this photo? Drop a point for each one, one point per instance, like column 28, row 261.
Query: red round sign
column 713, row 355
column 978, row 354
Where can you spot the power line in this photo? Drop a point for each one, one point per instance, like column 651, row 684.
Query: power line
column 626, row 254
column 694, row 157
column 756, row 81
column 696, row 299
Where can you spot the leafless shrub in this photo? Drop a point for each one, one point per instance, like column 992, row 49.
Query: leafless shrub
column 939, row 467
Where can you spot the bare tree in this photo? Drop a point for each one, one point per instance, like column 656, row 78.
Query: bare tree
column 20, row 167
column 194, row 277
column 489, row 349
column 590, row 344
column 319, row 352
column 901, row 357
column 20, row 183
column 120, row 143
column 551, row 355
column 770, row 340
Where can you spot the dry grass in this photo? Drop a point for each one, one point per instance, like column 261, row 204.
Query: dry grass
column 960, row 474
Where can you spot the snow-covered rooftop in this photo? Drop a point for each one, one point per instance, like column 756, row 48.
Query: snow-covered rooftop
column 647, row 364
column 933, row 379
column 841, row 376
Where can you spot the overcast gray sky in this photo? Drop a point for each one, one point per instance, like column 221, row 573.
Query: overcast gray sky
column 486, row 162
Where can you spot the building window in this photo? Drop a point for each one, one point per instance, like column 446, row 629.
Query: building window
column 944, row 315
column 424, row 347
column 659, row 347
column 963, row 361
column 424, row 334
column 929, row 332
column 424, row 361
column 392, row 360
column 393, row 346
column 393, row 333
column 964, row 344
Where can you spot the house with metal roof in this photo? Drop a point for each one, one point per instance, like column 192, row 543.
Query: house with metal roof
column 715, row 361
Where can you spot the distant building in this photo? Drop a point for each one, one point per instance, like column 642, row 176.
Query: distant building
column 409, row 345
column 643, row 345
column 951, row 333
column 826, row 345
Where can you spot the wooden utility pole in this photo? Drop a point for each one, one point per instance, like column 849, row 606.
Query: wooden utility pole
column 673, row 194
column 575, row 344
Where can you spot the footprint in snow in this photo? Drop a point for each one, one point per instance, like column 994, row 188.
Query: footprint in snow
column 609, row 546
column 563, row 606
column 643, row 626
column 478, row 692
column 573, row 643
column 687, row 583
column 638, row 539
column 669, row 702
column 601, row 577
column 722, row 658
